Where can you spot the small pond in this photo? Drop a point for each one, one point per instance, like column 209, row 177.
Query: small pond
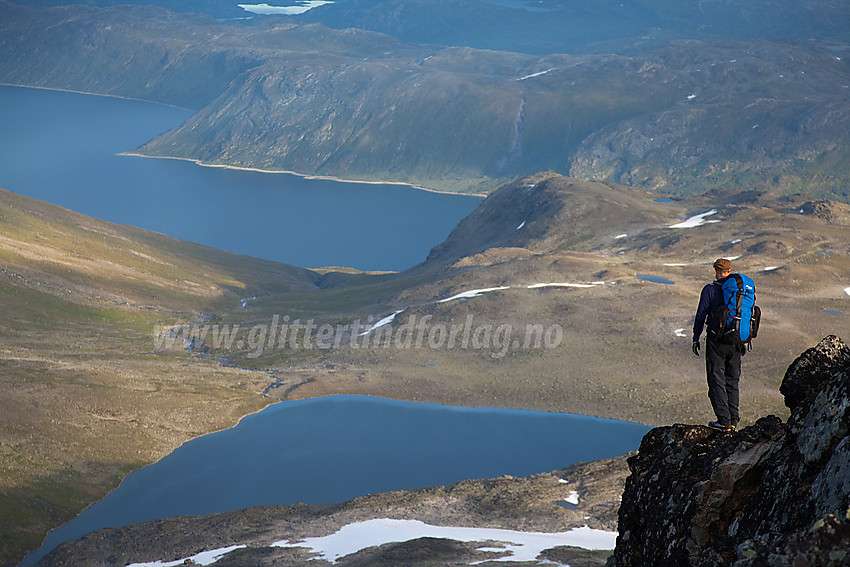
column 654, row 279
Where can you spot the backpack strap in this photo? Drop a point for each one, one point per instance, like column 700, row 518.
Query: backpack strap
column 739, row 297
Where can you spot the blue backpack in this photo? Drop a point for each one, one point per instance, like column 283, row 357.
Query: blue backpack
column 737, row 320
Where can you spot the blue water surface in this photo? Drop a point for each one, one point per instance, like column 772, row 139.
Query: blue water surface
column 654, row 279
column 336, row 448
column 63, row 148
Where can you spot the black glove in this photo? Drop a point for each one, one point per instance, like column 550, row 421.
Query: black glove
column 695, row 348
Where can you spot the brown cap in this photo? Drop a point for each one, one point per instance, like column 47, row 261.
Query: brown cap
column 722, row 265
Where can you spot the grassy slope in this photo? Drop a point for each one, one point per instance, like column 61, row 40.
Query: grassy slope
column 85, row 400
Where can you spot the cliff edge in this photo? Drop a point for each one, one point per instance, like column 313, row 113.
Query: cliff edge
column 770, row 494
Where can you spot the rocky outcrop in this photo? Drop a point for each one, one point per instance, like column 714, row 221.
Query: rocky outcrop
column 771, row 494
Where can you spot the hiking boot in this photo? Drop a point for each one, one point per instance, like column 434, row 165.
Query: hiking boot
column 721, row 427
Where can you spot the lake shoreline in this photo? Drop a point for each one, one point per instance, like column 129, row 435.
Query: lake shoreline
column 233, row 167
column 106, row 95
column 297, row 174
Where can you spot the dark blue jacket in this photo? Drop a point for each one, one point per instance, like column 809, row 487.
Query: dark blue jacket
column 710, row 301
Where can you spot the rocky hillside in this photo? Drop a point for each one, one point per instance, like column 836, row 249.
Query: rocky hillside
column 771, row 494
column 683, row 117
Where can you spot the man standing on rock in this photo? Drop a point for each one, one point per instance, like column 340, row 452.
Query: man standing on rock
column 722, row 361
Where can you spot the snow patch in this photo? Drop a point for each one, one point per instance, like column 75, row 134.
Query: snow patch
column 473, row 293
column 385, row 321
column 619, row 236
column 696, row 220
column 522, row 224
column 771, row 268
column 519, row 546
column 203, row 558
column 847, row 290
column 572, row 498
column 692, row 96
column 565, row 284
column 537, row 74
column 677, row 265
column 680, row 333
column 299, row 8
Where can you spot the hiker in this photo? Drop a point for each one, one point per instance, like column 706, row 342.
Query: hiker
column 722, row 360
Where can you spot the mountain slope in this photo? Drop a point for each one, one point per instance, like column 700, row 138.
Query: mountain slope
column 276, row 94
column 515, row 505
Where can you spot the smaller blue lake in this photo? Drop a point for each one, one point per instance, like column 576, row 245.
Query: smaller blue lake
column 336, row 448
column 654, row 279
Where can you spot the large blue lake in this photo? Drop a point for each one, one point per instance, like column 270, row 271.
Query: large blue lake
column 63, row 148
column 335, row 448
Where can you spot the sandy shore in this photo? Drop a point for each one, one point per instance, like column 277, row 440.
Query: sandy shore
column 239, row 168
column 302, row 175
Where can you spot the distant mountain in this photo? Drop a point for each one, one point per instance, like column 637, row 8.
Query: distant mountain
column 602, row 26
column 551, row 26
column 275, row 94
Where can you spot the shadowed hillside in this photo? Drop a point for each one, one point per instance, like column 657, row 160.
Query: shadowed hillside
column 276, row 94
